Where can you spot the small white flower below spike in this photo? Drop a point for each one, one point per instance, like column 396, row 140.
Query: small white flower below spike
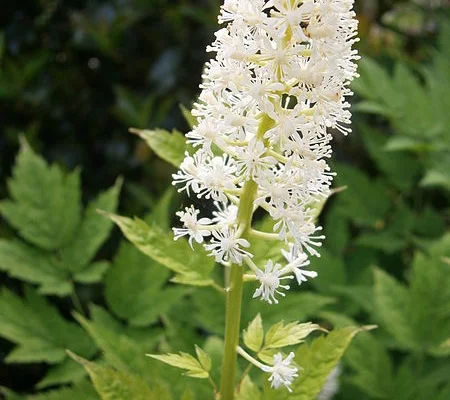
column 297, row 261
column 282, row 371
column 226, row 247
column 270, row 282
column 192, row 227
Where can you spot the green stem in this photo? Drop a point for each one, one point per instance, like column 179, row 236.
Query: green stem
column 236, row 284
column 234, row 299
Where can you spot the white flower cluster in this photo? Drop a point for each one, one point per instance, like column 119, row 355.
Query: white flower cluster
column 277, row 85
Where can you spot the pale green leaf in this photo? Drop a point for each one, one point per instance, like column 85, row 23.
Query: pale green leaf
column 184, row 361
column 254, row 334
column 248, row 390
column 112, row 384
column 318, row 360
column 267, row 355
column 41, row 334
column 45, row 204
column 204, row 358
column 281, row 335
column 169, row 146
column 160, row 246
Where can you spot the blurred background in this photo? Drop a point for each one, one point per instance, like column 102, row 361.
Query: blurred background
column 76, row 74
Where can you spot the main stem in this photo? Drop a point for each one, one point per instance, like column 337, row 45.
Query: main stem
column 235, row 285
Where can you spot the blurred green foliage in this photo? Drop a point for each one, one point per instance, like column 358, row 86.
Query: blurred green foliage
column 75, row 75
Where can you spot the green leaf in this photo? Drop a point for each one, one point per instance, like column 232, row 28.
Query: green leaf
column 254, row 334
column 45, row 204
column 365, row 202
column 160, row 246
column 281, row 335
column 430, row 297
column 194, row 368
column 331, row 271
column 392, row 306
column 190, row 119
column 82, row 390
column 248, row 390
column 55, row 271
column 372, row 365
column 136, row 287
column 169, row 146
column 115, row 385
column 93, row 273
column 93, row 231
column 318, row 360
column 296, row 306
column 41, row 334
column 28, row 263
column 120, row 351
column 204, row 358
column 400, row 169
column 67, row 371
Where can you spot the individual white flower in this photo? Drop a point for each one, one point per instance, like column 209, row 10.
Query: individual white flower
column 226, row 214
column 193, row 227
column 297, row 263
column 226, row 247
column 283, row 373
column 251, row 160
column 270, row 282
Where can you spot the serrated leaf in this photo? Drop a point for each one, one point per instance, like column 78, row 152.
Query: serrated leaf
column 120, row 351
column 81, row 390
column 400, row 169
column 184, row 361
column 318, row 360
column 41, row 334
column 26, row 262
column 93, row 231
column 254, row 334
column 430, row 297
column 365, row 201
column 55, row 271
column 160, row 246
column 45, row 204
column 204, row 358
column 115, row 385
column 93, row 273
column 392, row 306
column 248, row 390
column 169, row 146
column 372, row 365
column 281, row 335
column 65, row 372
column 135, row 287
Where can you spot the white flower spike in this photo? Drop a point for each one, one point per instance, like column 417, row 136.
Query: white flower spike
column 270, row 100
